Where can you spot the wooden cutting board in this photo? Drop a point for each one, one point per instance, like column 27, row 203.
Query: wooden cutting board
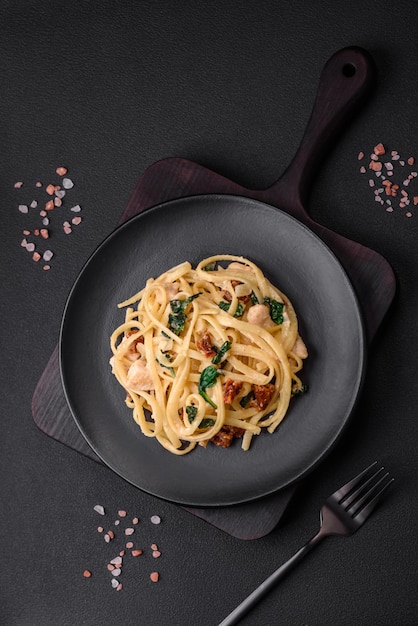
column 344, row 84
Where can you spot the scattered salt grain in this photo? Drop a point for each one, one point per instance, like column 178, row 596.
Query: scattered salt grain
column 135, row 521
column 154, row 577
column 67, row 183
column 44, row 233
column 129, row 545
column 117, row 522
column 129, row 531
column 61, row 171
column 116, row 561
column 100, row 529
column 60, row 193
column 50, row 190
column 76, row 221
column 156, row 554
column 155, row 519
column 116, row 571
column 18, row 185
column 76, row 208
column 119, row 587
column 45, row 221
column 36, row 257
column 87, row 573
column 99, row 509
column 33, row 204
column 136, row 552
column 24, row 243
column 114, row 582
column 46, row 267
column 57, row 202
column 23, row 208
column 121, row 512
column 47, row 255
column 30, row 247
column 39, row 184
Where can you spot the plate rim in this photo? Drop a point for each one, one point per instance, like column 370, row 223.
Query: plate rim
column 361, row 336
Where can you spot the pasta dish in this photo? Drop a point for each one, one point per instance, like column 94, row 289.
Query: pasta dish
column 208, row 354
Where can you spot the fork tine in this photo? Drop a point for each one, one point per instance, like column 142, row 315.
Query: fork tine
column 362, row 514
column 348, row 487
column 361, row 489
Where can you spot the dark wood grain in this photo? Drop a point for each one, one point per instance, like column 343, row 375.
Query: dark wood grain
column 344, row 84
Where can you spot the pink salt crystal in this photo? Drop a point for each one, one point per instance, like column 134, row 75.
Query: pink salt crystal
column 18, row 185
column 60, row 193
column 360, row 156
column 67, row 229
column 30, row 247
column 24, row 243
column 100, row 529
column 76, row 208
column 411, row 161
column 156, row 554
column 57, row 201
column 36, row 257
column 61, row 171
column 99, row 509
column 408, row 214
column 76, row 220
column 119, row 587
column 121, row 512
column 363, row 169
column 155, row 519
column 135, row 520
column 43, row 213
column 154, row 577
column 44, row 233
column 129, row 531
column 129, row 545
column 23, row 208
column 47, row 255
column 33, row 204
column 116, row 571
column 39, row 184
column 67, row 183
column 46, row 267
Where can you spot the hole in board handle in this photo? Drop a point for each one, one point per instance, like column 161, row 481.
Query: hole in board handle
column 349, row 70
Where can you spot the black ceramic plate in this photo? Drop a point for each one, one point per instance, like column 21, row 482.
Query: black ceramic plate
column 295, row 260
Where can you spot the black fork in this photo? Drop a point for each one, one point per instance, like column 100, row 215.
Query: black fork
column 342, row 514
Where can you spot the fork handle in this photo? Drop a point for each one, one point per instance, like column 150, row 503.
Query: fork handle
column 262, row 590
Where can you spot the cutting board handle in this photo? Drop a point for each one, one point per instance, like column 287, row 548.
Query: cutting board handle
column 345, row 81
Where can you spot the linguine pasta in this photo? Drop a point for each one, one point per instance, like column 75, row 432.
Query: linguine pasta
column 208, row 354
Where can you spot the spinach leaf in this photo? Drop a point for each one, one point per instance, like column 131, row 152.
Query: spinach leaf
column 226, row 305
column 167, row 367
column 254, row 298
column 276, row 309
column 245, row 399
column 299, row 391
column 208, row 379
column 177, row 319
column 191, row 414
column 221, row 352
